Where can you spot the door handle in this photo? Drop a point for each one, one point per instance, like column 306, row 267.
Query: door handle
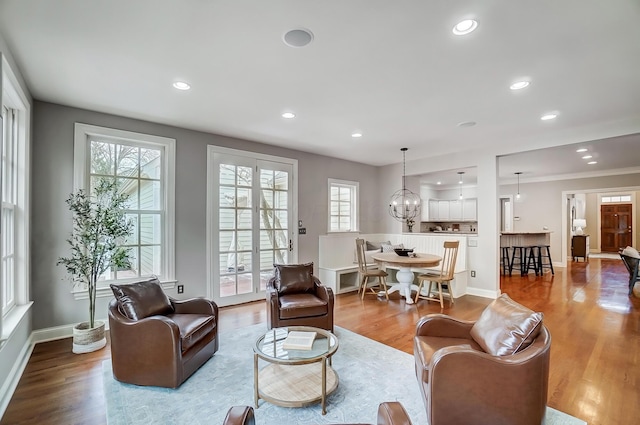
column 290, row 245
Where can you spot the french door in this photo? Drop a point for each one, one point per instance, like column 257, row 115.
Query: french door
column 251, row 212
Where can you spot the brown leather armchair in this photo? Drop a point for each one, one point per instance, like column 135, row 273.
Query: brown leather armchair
column 389, row 413
column 297, row 298
column 494, row 373
column 156, row 340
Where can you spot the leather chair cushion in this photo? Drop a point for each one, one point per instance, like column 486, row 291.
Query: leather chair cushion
column 426, row 346
column 506, row 327
column 294, row 278
column 142, row 299
column 193, row 327
column 293, row 306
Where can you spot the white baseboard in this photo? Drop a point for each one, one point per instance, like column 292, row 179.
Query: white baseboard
column 485, row 293
column 11, row 383
column 57, row 332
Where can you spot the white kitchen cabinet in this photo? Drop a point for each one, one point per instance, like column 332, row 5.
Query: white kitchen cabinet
column 443, row 210
column 433, row 210
column 455, row 210
column 470, row 209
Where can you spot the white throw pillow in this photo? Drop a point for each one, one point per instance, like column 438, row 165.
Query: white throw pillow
column 387, row 247
column 631, row 252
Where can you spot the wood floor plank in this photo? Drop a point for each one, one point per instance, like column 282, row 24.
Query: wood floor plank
column 595, row 350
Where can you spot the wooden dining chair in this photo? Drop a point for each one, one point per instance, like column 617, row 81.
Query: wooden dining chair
column 447, row 270
column 366, row 273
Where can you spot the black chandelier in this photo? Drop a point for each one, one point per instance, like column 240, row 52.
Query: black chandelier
column 404, row 205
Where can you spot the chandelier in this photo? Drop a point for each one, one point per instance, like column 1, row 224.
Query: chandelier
column 404, row 205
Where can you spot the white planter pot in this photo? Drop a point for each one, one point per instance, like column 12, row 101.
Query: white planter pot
column 86, row 339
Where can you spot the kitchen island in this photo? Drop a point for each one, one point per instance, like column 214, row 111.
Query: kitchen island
column 525, row 238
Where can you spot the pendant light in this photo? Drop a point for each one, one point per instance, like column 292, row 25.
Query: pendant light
column 404, row 205
column 518, row 174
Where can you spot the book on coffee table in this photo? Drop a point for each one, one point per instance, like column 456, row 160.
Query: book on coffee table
column 299, row 340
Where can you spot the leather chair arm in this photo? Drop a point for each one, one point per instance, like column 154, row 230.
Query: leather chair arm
column 323, row 292
column 444, row 326
column 240, row 415
column 195, row 306
column 392, row 413
column 145, row 335
column 273, row 306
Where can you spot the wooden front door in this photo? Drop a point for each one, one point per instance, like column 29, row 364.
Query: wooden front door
column 616, row 229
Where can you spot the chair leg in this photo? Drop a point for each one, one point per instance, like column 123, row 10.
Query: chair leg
column 419, row 289
column 440, row 292
column 383, row 281
column 364, row 286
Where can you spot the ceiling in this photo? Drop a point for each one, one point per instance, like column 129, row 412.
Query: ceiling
column 393, row 71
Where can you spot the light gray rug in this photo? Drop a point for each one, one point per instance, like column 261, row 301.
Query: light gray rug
column 369, row 373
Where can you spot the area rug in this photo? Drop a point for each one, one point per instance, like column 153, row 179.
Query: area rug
column 369, row 373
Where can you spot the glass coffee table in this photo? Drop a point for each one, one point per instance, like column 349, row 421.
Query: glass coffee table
column 294, row 378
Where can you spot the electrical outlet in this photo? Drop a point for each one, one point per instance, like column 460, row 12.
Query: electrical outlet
column 180, row 289
column 473, row 273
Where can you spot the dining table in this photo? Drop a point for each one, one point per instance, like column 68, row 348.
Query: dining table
column 404, row 264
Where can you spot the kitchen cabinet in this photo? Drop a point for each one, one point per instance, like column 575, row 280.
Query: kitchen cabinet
column 455, row 210
column 470, row 209
column 450, row 210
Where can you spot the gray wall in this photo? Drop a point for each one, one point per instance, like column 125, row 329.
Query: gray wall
column 52, row 181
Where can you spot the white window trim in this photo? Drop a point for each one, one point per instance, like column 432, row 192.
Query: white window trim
column 14, row 97
column 81, row 171
column 356, row 202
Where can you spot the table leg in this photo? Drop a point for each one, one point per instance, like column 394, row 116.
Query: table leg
column 324, row 385
column 255, row 380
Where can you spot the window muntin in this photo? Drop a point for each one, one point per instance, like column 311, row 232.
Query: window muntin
column 343, row 206
column 143, row 165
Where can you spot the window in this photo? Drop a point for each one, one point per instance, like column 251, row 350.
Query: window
column 343, row 206
column 611, row 199
column 14, row 168
column 143, row 166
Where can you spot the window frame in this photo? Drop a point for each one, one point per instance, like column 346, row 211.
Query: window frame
column 355, row 202
column 14, row 98
column 81, row 162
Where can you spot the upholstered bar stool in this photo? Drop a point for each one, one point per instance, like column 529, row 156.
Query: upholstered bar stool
column 544, row 253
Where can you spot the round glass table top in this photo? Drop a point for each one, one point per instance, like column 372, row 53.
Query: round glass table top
column 275, row 346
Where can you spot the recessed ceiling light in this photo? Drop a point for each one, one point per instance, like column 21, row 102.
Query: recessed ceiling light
column 466, row 124
column 465, row 27
column 582, row 150
column 181, row 85
column 299, row 37
column 587, row 157
column 519, row 85
column 288, row 115
column 356, row 135
column 592, row 162
column 439, row 183
column 547, row 117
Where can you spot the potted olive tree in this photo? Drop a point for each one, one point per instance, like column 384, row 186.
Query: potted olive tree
column 99, row 229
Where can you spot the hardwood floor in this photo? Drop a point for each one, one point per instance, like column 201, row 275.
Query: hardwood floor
column 595, row 350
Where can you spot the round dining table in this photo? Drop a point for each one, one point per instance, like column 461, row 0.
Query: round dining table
column 405, row 276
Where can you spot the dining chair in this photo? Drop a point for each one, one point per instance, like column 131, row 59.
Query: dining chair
column 447, row 270
column 366, row 272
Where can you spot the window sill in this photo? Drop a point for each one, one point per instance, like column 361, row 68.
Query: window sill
column 11, row 321
column 105, row 291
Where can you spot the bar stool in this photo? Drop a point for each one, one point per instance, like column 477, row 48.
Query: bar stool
column 517, row 258
column 531, row 255
column 544, row 253
column 504, row 260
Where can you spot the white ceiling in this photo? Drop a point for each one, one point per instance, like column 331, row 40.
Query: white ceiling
column 391, row 70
